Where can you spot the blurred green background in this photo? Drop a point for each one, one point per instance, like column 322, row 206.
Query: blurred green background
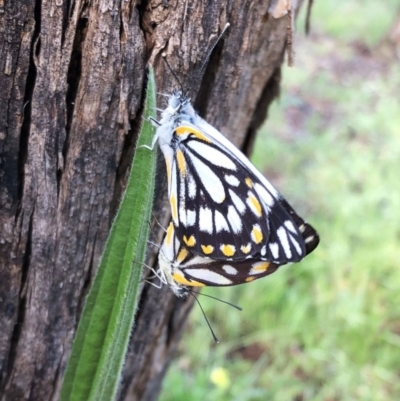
column 328, row 328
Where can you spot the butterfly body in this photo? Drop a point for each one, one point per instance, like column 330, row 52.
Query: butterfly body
column 222, row 207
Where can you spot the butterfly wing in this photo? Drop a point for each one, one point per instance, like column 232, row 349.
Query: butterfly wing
column 183, row 269
column 222, row 273
column 223, row 208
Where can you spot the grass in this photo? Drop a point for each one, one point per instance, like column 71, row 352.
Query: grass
column 329, row 327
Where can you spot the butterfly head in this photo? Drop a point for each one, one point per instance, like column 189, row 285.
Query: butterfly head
column 179, row 108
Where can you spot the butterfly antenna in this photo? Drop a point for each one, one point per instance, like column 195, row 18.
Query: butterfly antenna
column 208, row 55
column 172, row 71
column 205, row 317
column 218, row 299
column 197, row 77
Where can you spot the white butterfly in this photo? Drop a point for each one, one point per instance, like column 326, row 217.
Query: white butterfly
column 222, row 207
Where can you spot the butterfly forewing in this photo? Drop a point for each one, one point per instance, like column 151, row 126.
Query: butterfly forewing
column 224, row 211
column 222, row 206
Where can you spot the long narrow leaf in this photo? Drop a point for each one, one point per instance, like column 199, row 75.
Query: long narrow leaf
column 98, row 353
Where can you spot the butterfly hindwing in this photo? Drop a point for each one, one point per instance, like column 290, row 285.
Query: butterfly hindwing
column 181, row 269
column 222, row 273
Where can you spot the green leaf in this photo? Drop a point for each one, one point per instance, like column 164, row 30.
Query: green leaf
column 101, row 341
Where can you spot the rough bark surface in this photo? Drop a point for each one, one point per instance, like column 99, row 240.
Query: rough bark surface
column 72, row 78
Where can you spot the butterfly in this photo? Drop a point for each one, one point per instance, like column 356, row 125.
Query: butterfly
column 181, row 269
column 222, row 207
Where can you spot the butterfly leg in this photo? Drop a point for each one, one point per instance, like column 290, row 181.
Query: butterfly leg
column 156, row 274
column 158, row 286
column 151, row 147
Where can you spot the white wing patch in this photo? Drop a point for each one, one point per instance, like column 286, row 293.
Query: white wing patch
column 274, row 247
column 230, row 270
column 264, row 195
column 213, row 155
column 192, row 187
column 295, row 243
column 173, row 194
column 263, row 250
column 232, row 180
column 234, row 220
column 210, row 180
column 190, row 217
column 205, row 220
column 239, row 204
column 208, row 275
column 289, row 225
column 282, row 235
column 220, row 222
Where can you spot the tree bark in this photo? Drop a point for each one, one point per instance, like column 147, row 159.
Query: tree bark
column 71, row 93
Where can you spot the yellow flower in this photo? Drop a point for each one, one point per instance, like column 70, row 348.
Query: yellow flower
column 220, row 377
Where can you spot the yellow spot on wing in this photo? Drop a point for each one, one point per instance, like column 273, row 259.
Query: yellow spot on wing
column 182, row 255
column 181, row 279
column 246, row 248
column 256, row 204
column 248, row 279
column 168, row 163
column 174, row 208
column 256, row 234
column 207, row 249
column 228, row 250
column 249, row 183
column 260, row 267
column 181, row 162
column 182, row 130
column 170, row 234
column 191, row 241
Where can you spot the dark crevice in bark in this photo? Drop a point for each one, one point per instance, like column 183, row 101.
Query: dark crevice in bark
column 9, row 176
column 38, row 25
column 145, row 26
column 142, row 6
column 15, row 337
column 122, row 37
column 73, row 79
column 66, row 15
column 270, row 93
column 29, row 88
column 74, row 74
column 58, row 179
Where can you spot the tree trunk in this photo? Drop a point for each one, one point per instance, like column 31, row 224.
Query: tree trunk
column 71, row 93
